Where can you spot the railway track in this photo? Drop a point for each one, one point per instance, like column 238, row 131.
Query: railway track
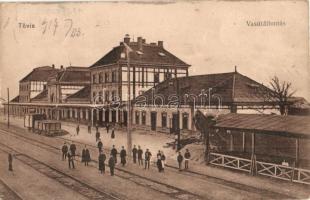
column 7, row 193
column 178, row 193
column 60, row 176
column 174, row 192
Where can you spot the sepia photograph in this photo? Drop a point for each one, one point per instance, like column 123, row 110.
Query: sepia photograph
column 144, row 100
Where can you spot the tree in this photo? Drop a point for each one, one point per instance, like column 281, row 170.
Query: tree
column 281, row 93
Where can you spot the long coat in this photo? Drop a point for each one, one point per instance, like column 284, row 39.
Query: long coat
column 85, row 155
column 111, row 162
column 101, row 160
column 113, row 134
column 123, row 155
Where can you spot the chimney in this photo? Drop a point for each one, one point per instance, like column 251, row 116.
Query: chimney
column 53, row 66
column 143, row 41
column 153, row 43
column 127, row 39
column 160, row 43
column 140, row 43
column 61, row 66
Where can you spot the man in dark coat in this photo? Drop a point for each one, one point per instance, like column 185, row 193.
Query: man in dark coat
column 111, row 165
column 113, row 134
column 140, row 152
column 114, row 153
column 134, row 154
column 85, row 156
column 123, row 155
column 70, row 160
column 159, row 163
column 180, row 160
column 10, row 159
column 101, row 161
column 97, row 135
column 100, row 145
column 64, row 150
column 77, row 129
column 72, row 150
column 187, row 156
column 147, row 159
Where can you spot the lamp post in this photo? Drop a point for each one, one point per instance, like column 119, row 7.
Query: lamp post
column 178, row 113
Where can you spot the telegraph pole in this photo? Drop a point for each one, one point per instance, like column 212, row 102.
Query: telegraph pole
column 8, row 107
column 129, row 139
column 178, row 113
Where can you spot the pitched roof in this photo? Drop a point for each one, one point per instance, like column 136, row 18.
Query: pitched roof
column 81, row 95
column 78, row 75
column 15, row 100
column 149, row 54
column 42, row 96
column 40, row 74
column 296, row 126
column 230, row 87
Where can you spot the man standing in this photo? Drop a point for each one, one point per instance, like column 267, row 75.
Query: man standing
column 64, row 150
column 72, row 149
column 187, row 156
column 99, row 145
column 163, row 160
column 10, row 159
column 101, row 162
column 147, row 159
column 123, row 155
column 134, row 153
column 70, row 160
column 97, row 135
column 180, row 160
column 77, row 129
column 113, row 134
column 140, row 152
column 111, row 164
column 97, row 128
column 114, row 153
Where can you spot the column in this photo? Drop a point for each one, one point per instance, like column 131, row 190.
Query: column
column 243, row 141
column 253, row 143
column 116, row 115
column 92, row 116
column 297, row 153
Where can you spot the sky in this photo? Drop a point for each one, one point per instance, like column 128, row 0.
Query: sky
column 211, row 36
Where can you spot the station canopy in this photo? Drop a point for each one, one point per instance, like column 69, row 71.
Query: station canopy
column 289, row 126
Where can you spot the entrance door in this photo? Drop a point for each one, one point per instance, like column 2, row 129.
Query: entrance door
column 153, row 121
column 100, row 117
column 174, row 123
column 125, row 118
column 106, row 115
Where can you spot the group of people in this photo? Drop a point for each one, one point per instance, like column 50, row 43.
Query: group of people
column 186, row 159
column 69, row 152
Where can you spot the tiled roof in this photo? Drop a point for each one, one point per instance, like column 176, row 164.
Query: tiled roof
column 83, row 94
column 297, row 126
column 149, row 54
column 230, row 87
column 42, row 96
column 40, row 74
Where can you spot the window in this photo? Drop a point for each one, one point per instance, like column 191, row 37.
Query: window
column 137, row 117
column 143, row 118
column 94, row 96
column 100, row 97
column 185, row 120
column 164, row 120
column 106, row 96
column 94, row 78
column 113, row 95
column 156, row 77
column 106, row 77
column 114, row 76
column 100, row 77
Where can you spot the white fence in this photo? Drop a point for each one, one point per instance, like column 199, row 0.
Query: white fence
column 262, row 168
